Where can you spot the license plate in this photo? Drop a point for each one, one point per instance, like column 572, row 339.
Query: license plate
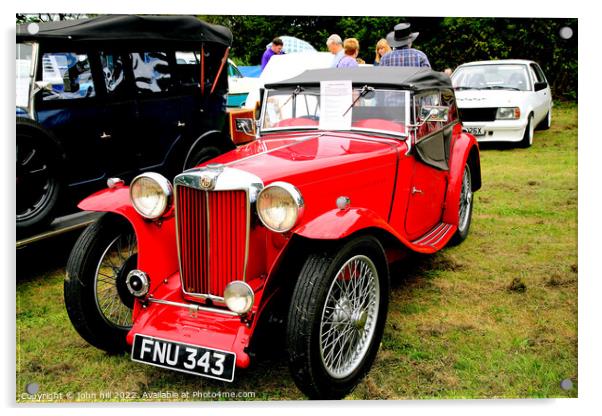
column 192, row 359
column 475, row 131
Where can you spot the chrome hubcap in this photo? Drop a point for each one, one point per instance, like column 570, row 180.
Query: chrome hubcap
column 349, row 317
column 106, row 285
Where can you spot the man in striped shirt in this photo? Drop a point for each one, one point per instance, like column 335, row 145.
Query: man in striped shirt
column 403, row 54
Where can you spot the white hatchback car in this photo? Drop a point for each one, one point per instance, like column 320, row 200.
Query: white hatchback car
column 503, row 100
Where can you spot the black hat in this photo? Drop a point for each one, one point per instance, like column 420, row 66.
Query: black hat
column 401, row 36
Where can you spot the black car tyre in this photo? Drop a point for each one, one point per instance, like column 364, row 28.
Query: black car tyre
column 199, row 155
column 546, row 123
column 96, row 297
column 464, row 208
column 527, row 140
column 37, row 184
column 336, row 318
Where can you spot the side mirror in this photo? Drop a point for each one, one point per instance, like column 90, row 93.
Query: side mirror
column 540, row 86
column 41, row 86
column 434, row 113
column 242, row 126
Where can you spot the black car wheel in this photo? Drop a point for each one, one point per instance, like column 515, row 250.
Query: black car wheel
column 37, row 184
column 336, row 318
column 199, row 155
column 464, row 208
column 527, row 140
column 97, row 300
column 546, row 123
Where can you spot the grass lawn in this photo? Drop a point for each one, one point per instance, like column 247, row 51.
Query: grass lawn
column 493, row 317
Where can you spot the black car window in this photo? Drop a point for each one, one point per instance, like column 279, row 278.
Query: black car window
column 69, row 76
column 538, row 73
column 151, row 72
column 113, row 73
column 420, row 112
column 187, row 69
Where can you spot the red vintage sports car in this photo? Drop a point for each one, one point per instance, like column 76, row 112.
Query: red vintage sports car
column 347, row 170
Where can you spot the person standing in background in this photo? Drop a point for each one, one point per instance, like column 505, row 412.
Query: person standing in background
column 274, row 49
column 403, row 54
column 334, row 43
column 351, row 47
column 382, row 48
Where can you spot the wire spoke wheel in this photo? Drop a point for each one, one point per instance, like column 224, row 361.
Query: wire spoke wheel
column 110, row 295
column 349, row 316
column 465, row 200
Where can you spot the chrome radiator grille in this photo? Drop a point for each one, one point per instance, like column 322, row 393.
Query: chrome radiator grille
column 213, row 229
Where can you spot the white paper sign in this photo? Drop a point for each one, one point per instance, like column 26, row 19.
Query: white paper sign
column 335, row 99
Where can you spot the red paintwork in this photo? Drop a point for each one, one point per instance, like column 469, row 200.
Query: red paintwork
column 374, row 172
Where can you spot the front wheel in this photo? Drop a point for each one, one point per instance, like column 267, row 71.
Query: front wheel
column 96, row 296
column 527, row 140
column 336, row 318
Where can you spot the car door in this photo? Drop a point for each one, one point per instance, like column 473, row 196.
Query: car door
column 543, row 96
column 71, row 108
column 119, row 141
column 429, row 171
column 159, row 122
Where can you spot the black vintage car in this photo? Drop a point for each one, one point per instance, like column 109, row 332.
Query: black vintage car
column 113, row 96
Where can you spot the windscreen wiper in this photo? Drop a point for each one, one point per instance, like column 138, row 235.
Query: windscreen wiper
column 500, row 87
column 365, row 90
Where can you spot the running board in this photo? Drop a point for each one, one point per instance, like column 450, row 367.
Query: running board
column 436, row 238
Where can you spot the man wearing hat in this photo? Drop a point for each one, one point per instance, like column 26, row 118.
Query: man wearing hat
column 402, row 54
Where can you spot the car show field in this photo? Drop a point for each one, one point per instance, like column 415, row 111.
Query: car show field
column 494, row 317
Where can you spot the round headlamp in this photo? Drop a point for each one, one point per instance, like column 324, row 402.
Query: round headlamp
column 151, row 195
column 279, row 206
column 239, row 297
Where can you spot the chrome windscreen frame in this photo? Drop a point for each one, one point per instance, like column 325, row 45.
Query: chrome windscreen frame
column 210, row 178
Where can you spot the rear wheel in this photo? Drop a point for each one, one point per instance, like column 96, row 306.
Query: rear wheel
column 336, row 318
column 546, row 123
column 96, row 296
column 464, row 208
column 37, row 186
column 199, row 155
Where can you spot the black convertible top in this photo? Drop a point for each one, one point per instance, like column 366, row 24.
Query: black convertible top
column 414, row 78
column 186, row 29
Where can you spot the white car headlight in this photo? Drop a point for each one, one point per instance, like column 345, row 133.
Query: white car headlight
column 151, row 195
column 279, row 206
column 239, row 297
column 508, row 113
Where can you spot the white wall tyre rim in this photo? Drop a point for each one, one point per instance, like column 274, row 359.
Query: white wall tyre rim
column 531, row 130
column 349, row 317
column 108, row 302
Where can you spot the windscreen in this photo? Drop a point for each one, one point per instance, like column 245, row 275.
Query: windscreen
column 363, row 108
column 483, row 77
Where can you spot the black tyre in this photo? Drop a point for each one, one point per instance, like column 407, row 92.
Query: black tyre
column 96, row 297
column 337, row 317
column 527, row 140
column 199, row 155
column 464, row 208
column 38, row 184
column 546, row 123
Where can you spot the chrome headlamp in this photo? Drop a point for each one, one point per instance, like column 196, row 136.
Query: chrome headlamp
column 151, row 194
column 239, row 297
column 279, row 206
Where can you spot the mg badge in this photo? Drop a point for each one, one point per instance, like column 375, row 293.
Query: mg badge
column 206, row 182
